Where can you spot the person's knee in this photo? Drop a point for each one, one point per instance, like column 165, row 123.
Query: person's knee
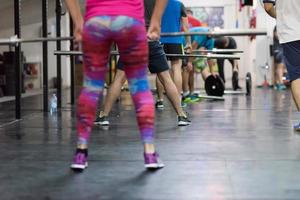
column 296, row 83
column 164, row 77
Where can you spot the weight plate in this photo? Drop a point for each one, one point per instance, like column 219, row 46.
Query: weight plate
column 214, row 86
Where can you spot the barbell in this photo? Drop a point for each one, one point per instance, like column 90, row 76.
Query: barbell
column 218, row 51
column 221, row 32
column 14, row 40
column 208, row 56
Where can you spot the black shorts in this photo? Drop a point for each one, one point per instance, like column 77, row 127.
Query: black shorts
column 173, row 49
column 157, row 59
column 291, row 54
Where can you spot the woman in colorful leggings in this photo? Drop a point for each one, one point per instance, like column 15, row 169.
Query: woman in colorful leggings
column 122, row 22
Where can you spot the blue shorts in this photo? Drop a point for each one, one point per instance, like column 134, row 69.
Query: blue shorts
column 291, row 53
column 157, row 58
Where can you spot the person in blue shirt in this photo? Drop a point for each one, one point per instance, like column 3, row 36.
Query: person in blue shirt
column 198, row 42
column 174, row 18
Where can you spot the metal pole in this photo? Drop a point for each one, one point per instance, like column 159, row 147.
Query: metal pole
column 58, row 58
column 17, row 16
column 45, row 54
column 72, row 63
column 208, row 56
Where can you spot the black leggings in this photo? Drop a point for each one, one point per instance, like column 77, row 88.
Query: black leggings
column 231, row 45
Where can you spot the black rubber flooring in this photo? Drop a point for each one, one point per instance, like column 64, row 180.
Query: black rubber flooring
column 242, row 148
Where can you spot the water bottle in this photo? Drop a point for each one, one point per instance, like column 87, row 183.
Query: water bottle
column 53, row 104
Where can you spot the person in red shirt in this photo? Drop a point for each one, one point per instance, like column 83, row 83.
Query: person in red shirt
column 193, row 22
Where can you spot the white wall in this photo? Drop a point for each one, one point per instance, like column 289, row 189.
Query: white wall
column 262, row 47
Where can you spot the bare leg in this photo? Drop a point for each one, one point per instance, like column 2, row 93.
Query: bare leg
column 171, row 91
column 114, row 92
column 191, row 81
column 205, row 73
column 176, row 74
column 279, row 73
column 160, row 89
column 296, row 92
column 185, row 81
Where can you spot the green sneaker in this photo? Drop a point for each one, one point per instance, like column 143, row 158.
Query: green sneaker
column 186, row 99
column 194, row 98
column 191, row 98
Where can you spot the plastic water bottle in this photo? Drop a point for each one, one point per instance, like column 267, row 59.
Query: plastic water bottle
column 53, row 104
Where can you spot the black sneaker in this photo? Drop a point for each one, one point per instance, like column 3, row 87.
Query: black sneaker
column 103, row 121
column 183, row 121
column 159, row 105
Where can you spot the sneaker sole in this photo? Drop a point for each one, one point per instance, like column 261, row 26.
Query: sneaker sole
column 154, row 166
column 79, row 167
column 195, row 101
column 184, row 123
column 102, row 123
column 160, row 107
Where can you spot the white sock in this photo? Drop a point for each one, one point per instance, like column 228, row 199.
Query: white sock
column 184, row 94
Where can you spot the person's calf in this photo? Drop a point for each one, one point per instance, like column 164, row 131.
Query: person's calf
column 171, row 90
column 295, row 85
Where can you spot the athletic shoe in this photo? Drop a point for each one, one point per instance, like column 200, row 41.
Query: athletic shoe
column 152, row 161
column 297, row 127
column 79, row 161
column 103, row 121
column 159, row 105
column 186, row 99
column 183, row 121
column 183, row 105
column 191, row 98
column 194, row 98
column 280, row 87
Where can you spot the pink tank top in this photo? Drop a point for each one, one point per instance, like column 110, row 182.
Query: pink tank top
column 131, row 8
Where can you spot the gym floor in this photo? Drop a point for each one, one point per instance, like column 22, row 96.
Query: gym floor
column 242, row 148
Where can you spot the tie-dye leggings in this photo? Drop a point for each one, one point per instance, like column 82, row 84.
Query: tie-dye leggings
column 130, row 36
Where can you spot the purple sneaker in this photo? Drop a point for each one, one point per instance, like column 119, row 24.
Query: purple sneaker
column 152, row 161
column 79, row 162
column 297, row 127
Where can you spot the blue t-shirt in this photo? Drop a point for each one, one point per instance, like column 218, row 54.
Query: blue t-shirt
column 171, row 21
column 202, row 40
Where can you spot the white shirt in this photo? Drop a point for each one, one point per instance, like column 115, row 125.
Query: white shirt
column 288, row 19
